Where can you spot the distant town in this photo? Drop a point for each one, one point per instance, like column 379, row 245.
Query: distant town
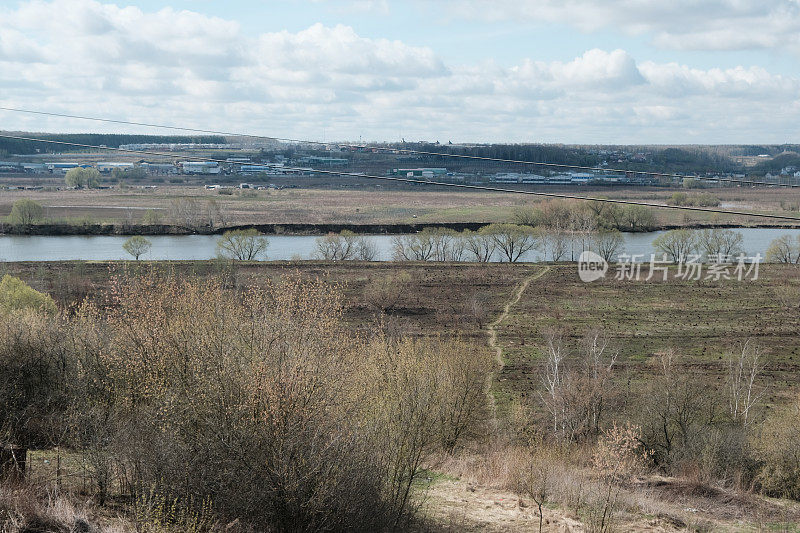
column 255, row 164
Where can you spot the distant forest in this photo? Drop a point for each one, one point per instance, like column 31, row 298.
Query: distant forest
column 14, row 146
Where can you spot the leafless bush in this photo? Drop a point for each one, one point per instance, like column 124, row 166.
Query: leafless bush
column 366, row 250
column 777, row 446
column 576, row 395
column 341, row 247
column 383, row 293
column 479, row 245
column 430, row 244
column 254, row 404
column 477, row 308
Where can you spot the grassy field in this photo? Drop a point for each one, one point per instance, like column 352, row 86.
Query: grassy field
column 701, row 320
column 373, row 204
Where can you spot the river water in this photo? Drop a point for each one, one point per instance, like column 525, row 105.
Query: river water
column 281, row 247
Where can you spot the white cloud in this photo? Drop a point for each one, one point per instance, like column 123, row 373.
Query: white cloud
column 184, row 68
column 677, row 24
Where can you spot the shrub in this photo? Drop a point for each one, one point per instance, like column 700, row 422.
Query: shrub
column 26, row 212
column 382, row 294
column 257, row 404
column 16, row 295
column 35, row 379
column 778, row 449
column 783, row 250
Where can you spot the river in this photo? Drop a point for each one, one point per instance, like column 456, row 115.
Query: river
column 281, row 247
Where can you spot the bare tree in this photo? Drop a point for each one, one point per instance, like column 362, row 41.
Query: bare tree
column 416, row 247
column 480, row 245
column 784, row 250
column 744, row 366
column 583, row 225
column 446, row 244
column 341, row 247
column 607, row 243
column 676, row 244
column 243, row 244
column 512, row 240
column 187, row 212
column 366, row 250
column 555, row 242
column 553, row 379
column 720, row 244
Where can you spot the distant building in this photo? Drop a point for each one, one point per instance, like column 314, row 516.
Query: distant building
column 201, row 167
column 62, row 167
column 34, row 168
column 325, row 161
column 106, row 167
column 258, row 169
column 159, row 168
column 418, row 172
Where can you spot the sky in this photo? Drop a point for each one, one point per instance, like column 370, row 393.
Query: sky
column 538, row 71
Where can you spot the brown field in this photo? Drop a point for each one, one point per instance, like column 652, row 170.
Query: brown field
column 698, row 319
column 368, row 203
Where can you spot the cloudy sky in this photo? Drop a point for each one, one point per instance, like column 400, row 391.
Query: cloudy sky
column 574, row 71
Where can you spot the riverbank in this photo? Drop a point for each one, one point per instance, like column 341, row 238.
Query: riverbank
column 293, row 229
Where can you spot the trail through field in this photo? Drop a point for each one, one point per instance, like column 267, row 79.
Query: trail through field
column 491, row 330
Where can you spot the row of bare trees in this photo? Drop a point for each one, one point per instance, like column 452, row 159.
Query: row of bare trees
column 494, row 242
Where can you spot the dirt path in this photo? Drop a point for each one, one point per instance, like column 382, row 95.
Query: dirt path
column 491, row 330
column 460, row 506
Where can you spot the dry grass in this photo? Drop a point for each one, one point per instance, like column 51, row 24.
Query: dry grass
column 372, row 205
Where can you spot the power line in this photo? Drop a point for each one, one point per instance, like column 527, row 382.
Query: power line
column 426, row 182
column 400, row 150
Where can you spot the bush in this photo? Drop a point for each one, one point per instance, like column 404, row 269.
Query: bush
column 35, row 379
column 257, row 405
column 778, row 449
column 16, row 295
column 26, row 212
